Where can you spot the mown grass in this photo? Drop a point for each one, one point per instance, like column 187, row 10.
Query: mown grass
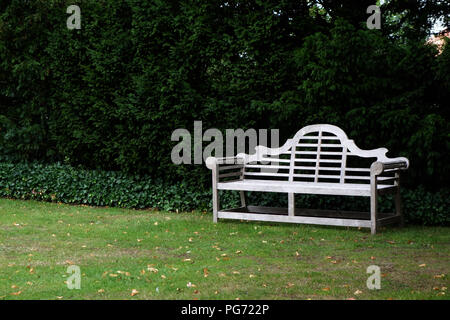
column 159, row 253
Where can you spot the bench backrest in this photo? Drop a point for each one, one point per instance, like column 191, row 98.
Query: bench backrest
column 317, row 153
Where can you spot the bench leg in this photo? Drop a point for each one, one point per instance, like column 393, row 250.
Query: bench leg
column 243, row 199
column 215, row 204
column 373, row 213
column 291, row 204
column 399, row 207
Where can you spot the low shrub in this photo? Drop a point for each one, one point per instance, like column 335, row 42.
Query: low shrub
column 66, row 184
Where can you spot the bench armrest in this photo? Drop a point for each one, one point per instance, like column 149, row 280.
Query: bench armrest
column 211, row 162
column 378, row 167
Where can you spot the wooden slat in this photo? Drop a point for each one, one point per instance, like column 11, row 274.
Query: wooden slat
column 313, row 145
column 230, row 174
column 311, row 168
column 329, row 153
column 265, row 166
column 358, row 169
column 294, row 219
column 316, row 138
column 223, row 168
column 388, row 220
column 266, row 174
column 357, row 177
column 386, row 179
column 276, row 160
column 319, row 176
column 316, row 178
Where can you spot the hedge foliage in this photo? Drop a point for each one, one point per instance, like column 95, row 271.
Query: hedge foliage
column 67, row 184
column 109, row 96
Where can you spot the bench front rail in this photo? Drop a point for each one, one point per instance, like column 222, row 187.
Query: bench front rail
column 318, row 160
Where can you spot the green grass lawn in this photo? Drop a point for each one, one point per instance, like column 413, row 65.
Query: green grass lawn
column 158, row 254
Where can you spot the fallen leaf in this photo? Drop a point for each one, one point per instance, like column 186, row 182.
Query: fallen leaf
column 101, row 290
column 289, row 284
column 151, row 269
column 205, row 272
column 134, row 292
column 326, row 289
column 422, row 265
column 439, row 276
column 358, row 292
column 16, row 293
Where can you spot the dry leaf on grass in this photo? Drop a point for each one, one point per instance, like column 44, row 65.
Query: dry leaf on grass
column 134, row 292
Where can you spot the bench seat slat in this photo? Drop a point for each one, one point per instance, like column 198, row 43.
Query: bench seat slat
column 351, row 189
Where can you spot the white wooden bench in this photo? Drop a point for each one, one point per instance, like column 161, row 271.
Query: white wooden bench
column 320, row 159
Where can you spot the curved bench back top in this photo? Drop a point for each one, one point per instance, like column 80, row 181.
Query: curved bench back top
column 317, row 153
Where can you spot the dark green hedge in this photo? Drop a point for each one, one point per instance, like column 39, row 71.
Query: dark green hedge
column 109, row 96
column 66, row 184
